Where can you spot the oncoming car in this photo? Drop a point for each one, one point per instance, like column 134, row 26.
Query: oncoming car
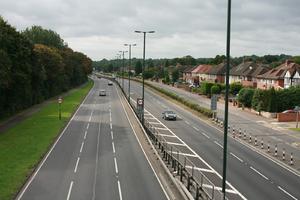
column 110, row 83
column 169, row 115
column 102, row 93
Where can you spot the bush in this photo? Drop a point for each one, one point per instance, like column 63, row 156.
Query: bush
column 206, row 88
column 215, row 89
column 260, row 100
column 245, row 96
column 235, row 88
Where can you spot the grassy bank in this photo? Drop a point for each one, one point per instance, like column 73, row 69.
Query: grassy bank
column 186, row 102
column 23, row 146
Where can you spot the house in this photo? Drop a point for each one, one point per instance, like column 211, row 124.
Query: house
column 217, row 73
column 203, row 72
column 187, row 74
column 242, row 72
column 283, row 76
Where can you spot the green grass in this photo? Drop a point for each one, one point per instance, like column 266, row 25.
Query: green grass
column 23, row 146
column 295, row 129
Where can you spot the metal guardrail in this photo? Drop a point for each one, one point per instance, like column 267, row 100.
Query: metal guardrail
column 194, row 180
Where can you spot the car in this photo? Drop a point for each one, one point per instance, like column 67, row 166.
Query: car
column 169, row 115
column 102, row 93
column 110, row 83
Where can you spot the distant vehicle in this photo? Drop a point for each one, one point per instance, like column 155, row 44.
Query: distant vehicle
column 110, row 83
column 169, row 115
column 289, row 111
column 102, row 93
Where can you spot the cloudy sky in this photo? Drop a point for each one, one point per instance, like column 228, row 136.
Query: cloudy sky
column 99, row 28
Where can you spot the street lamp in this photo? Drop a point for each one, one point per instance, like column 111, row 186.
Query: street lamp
column 143, row 69
column 129, row 45
column 226, row 99
column 118, row 57
column 122, row 53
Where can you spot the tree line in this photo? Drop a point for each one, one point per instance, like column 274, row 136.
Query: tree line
column 36, row 64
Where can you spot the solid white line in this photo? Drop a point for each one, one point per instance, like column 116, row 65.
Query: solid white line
column 81, row 147
column 196, row 128
column 88, row 125
column 200, row 169
column 187, row 122
column 75, row 169
column 113, row 146
column 164, row 129
column 85, row 134
column 280, row 188
column 185, row 154
column 116, row 165
column 219, row 189
column 217, row 143
column 165, row 135
column 162, row 187
column 177, row 144
column 112, row 135
column 70, row 190
column 205, row 135
column 259, row 173
column 236, row 157
column 49, row 152
column 154, row 123
column 120, row 191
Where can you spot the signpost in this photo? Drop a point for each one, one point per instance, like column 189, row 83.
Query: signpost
column 213, row 104
column 59, row 107
column 297, row 109
column 139, row 106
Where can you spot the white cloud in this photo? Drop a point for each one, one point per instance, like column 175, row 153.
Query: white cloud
column 99, row 28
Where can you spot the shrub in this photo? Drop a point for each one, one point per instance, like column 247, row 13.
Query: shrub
column 260, row 100
column 245, row 96
column 206, row 88
column 235, row 88
column 215, row 89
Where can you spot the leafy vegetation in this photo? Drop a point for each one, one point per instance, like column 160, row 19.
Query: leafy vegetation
column 36, row 65
column 22, row 146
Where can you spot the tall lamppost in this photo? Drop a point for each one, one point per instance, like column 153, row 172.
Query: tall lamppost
column 226, row 99
column 122, row 53
column 129, row 67
column 118, row 57
column 143, row 70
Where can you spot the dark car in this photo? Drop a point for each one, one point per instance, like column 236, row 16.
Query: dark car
column 169, row 115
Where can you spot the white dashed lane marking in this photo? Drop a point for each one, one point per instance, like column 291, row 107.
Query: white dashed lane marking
column 259, row 173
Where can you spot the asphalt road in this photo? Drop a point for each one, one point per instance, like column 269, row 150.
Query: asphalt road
column 251, row 174
column 256, row 126
column 96, row 157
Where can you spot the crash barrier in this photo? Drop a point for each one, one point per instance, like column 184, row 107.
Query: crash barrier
column 219, row 122
column 194, row 180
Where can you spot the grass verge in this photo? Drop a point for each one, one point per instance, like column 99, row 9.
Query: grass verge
column 295, row 129
column 24, row 145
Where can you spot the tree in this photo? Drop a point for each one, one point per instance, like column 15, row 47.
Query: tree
column 175, row 75
column 138, row 67
column 38, row 35
column 215, row 89
column 272, row 101
column 245, row 96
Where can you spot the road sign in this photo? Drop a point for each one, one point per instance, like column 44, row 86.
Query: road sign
column 60, row 100
column 213, row 102
column 140, row 102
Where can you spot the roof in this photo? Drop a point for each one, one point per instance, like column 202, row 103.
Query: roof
column 189, row 69
column 243, row 69
column 280, row 71
column 219, row 69
column 202, row 69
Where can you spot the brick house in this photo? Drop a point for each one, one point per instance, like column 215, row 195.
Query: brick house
column 187, row 74
column 202, row 71
column 217, row 73
column 283, row 76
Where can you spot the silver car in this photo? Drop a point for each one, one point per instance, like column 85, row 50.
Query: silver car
column 169, row 115
column 102, row 93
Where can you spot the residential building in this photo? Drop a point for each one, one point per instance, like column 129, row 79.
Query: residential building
column 283, row 76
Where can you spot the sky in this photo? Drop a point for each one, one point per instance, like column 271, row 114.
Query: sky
column 100, row 28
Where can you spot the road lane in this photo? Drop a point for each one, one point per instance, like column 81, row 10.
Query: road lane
column 241, row 174
column 97, row 157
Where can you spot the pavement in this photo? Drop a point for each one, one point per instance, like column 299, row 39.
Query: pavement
column 251, row 174
column 97, row 156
